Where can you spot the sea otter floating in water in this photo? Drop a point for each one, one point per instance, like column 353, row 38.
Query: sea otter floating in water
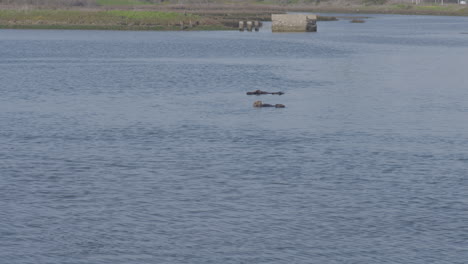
column 260, row 104
column 259, row 92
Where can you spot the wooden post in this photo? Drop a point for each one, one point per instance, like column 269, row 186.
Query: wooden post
column 181, row 25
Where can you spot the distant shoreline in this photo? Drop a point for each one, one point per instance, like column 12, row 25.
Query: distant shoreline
column 397, row 9
column 188, row 17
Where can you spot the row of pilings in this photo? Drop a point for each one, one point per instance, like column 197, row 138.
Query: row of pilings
column 189, row 25
column 249, row 25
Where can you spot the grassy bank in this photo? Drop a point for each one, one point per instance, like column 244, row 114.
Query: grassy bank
column 129, row 20
column 116, row 27
column 262, row 8
column 112, row 20
column 144, row 15
column 403, row 9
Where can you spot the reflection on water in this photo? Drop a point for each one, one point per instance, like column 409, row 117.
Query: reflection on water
column 142, row 147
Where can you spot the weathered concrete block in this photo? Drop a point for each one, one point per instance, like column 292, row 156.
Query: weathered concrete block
column 294, row 23
column 249, row 25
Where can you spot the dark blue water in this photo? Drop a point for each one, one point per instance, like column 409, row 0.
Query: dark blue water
column 142, row 147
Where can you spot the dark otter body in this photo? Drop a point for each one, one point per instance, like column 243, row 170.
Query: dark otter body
column 260, row 92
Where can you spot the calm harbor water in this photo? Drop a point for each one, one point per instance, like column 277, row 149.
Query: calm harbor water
column 142, row 147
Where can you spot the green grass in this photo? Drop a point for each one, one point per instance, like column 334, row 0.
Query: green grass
column 115, row 27
column 93, row 17
column 113, row 20
column 436, row 7
column 431, row 9
column 143, row 15
column 402, row 6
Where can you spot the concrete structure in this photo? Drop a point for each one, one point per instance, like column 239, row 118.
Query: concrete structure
column 294, row 23
column 249, row 25
column 241, row 26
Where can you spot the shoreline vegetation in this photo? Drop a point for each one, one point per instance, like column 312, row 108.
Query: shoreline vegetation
column 162, row 15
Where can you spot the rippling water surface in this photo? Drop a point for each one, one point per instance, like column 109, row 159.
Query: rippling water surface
column 142, row 147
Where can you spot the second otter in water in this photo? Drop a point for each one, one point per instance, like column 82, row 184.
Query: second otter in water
column 261, row 104
column 259, row 92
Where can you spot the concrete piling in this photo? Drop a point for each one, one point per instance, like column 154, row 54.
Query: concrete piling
column 311, row 25
column 249, row 25
column 241, row 26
